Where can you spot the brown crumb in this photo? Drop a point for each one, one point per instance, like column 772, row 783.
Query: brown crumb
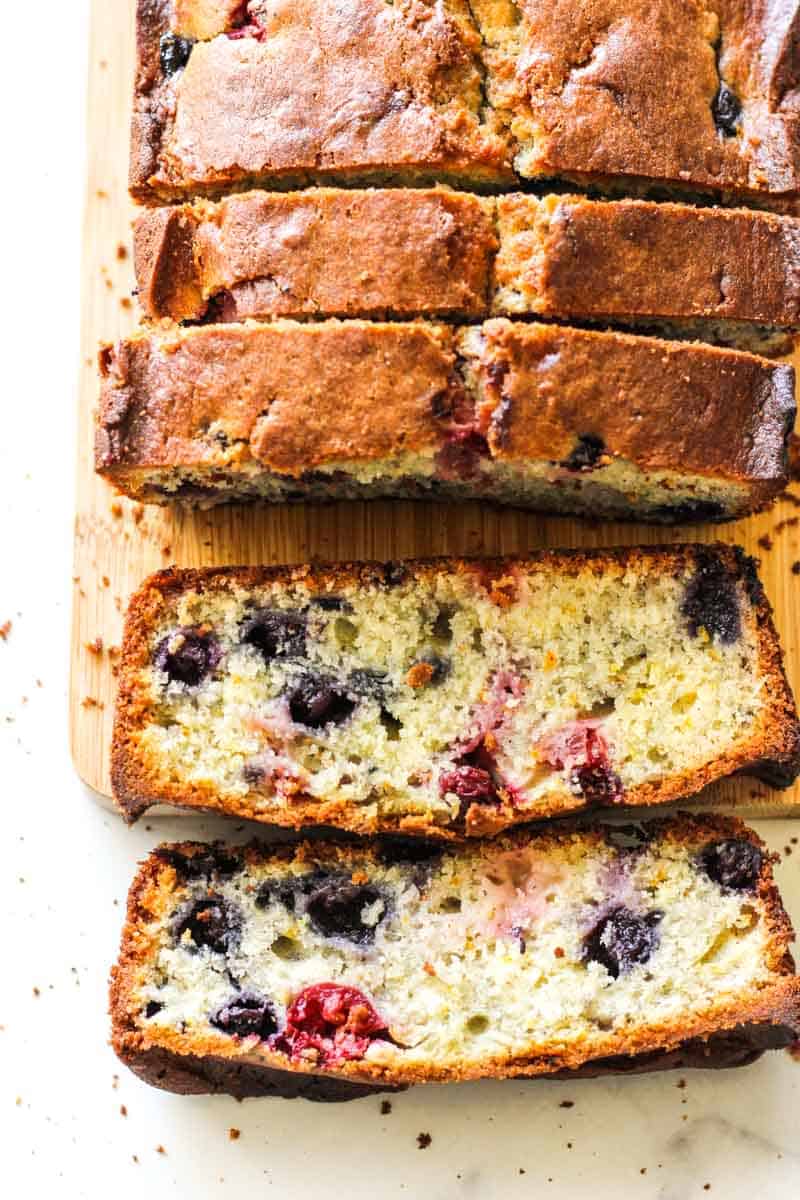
column 5, row 630
column 706, row 1187
column 567, row 1104
column 559, row 952
column 642, row 1170
column 36, row 992
column 135, row 1157
column 166, row 550
column 522, row 1170
column 420, row 675
column 386, row 1107
column 95, row 647
column 429, row 968
column 126, row 302
column 423, row 1140
column 160, row 1149
column 765, row 542
column 787, row 850
column 91, row 702
column 681, row 1083
column 123, row 1112
column 122, row 252
column 106, row 582
column 115, row 1082
column 116, row 510
column 796, row 567
column 234, row 1134
column 101, row 194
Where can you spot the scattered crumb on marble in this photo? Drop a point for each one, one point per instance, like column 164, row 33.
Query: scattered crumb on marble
column 126, row 302
column 234, row 1134
column 106, row 582
column 36, row 991
column 386, row 1107
column 567, row 1104
column 681, row 1083
column 765, row 542
column 5, row 630
column 123, row 1112
column 796, row 567
column 135, row 1157
column 95, row 647
column 423, row 1141
column 522, row 1170
column 160, row 1149
column 122, row 252
column 642, row 1170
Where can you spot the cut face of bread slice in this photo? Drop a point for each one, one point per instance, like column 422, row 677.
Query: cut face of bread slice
column 322, row 971
column 449, row 696
column 286, row 92
column 547, row 417
column 720, row 275
column 685, row 96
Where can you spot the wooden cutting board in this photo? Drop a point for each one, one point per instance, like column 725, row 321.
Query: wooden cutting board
column 117, row 543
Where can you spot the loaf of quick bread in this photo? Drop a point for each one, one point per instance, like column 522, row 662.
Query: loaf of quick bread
column 548, row 417
column 682, row 96
column 450, row 695
column 328, row 971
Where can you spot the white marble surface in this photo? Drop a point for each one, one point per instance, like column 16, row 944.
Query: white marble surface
column 67, row 862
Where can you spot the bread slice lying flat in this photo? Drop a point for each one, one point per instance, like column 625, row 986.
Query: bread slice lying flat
column 547, row 417
column 326, row 971
column 450, row 695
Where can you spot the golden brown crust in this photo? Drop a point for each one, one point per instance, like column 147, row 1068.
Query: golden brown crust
column 320, row 90
column 294, row 395
column 638, row 259
column 654, row 403
column 290, row 397
column 769, row 1015
column 623, row 91
column 323, row 252
column 771, row 751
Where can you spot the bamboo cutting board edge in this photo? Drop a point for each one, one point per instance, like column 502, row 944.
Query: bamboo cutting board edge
column 118, row 543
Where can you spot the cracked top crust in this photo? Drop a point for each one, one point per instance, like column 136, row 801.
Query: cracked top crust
column 694, row 94
column 294, row 396
column 297, row 89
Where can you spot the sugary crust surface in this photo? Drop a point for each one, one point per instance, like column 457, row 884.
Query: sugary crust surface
column 540, row 384
column 623, row 91
column 569, row 256
column 292, row 397
column 771, row 750
column 323, row 252
column 732, row 1031
column 416, row 252
column 309, row 90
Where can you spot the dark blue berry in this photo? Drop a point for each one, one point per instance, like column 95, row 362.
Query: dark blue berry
column 693, row 512
column 711, row 600
column 726, row 108
column 213, row 861
column 597, row 784
column 153, row 1009
column 213, row 922
column 174, row 52
column 622, row 940
column 733, row 864
column 281, row 891
column 316, row 701
column 363, row 682
column 187, row 656
column 334, row 909
column 244, row 1015
column 276, row 633
column 439, row 666
column 588, row 451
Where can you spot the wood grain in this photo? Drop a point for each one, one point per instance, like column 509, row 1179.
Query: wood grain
column 118, row 543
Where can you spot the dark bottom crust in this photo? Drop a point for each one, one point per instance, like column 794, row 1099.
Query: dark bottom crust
column 195, row 1075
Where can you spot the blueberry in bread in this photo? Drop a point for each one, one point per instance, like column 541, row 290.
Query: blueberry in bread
column 286, row 92
column 546, row 417
column 327, row 971
column 692, row 97
column 444, row 696
column 730, row 276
